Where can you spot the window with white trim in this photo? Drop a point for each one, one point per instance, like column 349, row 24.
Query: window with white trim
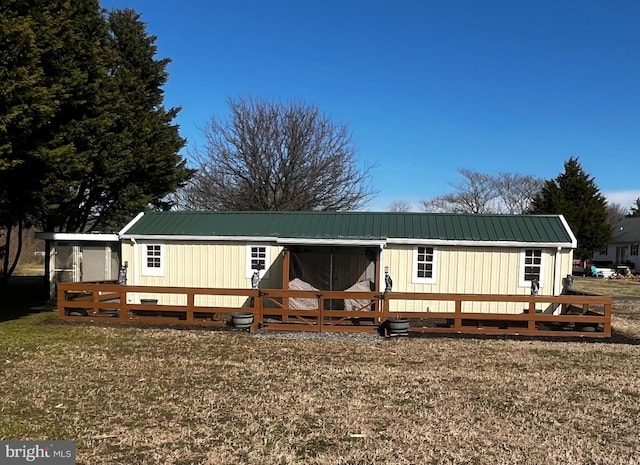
column 603, row 251
column 531, row 266
column 153, row 260
column 257, row 259
column 424, row 265
column 634, row 249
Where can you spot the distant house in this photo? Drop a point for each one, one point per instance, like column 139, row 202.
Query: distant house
column 624, row 248
column 421, row 252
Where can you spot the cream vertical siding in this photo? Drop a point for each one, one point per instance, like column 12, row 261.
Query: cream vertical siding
column 459, row 270
column 201, row 264
column 473, row 270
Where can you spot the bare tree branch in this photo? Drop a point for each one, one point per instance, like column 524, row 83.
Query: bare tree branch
column 272, row 156
column 616, row 212
column 399, row 206
column 516, row 191
column 483, row 193
column 475, row 194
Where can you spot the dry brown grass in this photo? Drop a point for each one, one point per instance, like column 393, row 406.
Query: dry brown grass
column 133, row 395
column 614, row 287
column 167, row 396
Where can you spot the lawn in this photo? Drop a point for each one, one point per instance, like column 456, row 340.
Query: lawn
column 615, row 287
column 141, row 395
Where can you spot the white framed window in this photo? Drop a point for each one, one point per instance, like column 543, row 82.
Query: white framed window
column 257, row 259
column 424, row 265
column 634, row 249
column 153, row 259
column 532, row 266
column 603, row 251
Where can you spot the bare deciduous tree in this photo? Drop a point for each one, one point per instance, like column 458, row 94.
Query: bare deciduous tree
column 399, row 206
column 516, row 191
column 475, row 194
column 274, row 156
column 616, row 212
column 482, row 193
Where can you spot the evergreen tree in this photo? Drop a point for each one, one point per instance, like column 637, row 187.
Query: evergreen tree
column 37, row 79
column 128, row 142
column 575, row 195
column 634, row 211
column 85, row 141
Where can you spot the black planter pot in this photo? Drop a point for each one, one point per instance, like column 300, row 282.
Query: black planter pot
column 242, row 320
column 398, row 326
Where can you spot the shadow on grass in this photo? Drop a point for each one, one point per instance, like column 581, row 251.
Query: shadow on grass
column 21, row 296
column 25, row 295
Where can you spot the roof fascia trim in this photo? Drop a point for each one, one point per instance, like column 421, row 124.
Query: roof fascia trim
column 86, row 237
column 175, row 237
column 574, row 241
column 467, row 243
column 131, row 223
column 278, row 240
column 319, row 241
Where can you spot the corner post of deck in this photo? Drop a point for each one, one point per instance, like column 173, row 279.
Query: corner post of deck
column 607, row 316
column 60, row 298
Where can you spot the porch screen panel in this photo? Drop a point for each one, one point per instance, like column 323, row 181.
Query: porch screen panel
column 311, row 266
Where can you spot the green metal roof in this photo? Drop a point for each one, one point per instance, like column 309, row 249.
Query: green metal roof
column 548, row 229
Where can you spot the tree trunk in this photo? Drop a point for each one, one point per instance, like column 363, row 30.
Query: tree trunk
column 7, row 270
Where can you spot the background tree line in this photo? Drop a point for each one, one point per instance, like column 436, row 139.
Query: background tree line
column 573, row 193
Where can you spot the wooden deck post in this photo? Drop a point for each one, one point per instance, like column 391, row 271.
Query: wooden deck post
column 258, row 311
column 457, row 321
column 607, row 314
column 531, row 323
column 124, row 305
column 384, row 301
column 191, row 306
column 321, row 312
column 61, row 297
column 286, row 265
column 378, row 272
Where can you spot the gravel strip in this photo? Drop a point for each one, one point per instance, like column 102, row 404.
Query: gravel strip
column 318, row 336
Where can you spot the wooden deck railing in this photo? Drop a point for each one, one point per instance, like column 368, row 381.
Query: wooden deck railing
column 274, row 309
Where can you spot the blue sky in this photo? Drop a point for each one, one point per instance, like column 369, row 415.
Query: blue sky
column 426, row 87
